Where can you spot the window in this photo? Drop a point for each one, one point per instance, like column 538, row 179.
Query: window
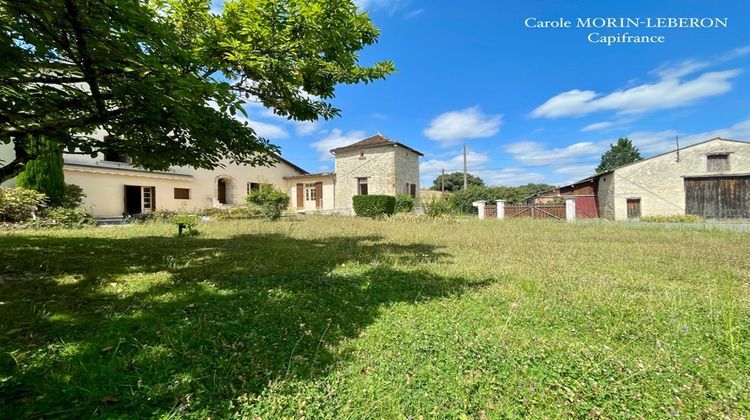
column 113, row 156
column 361, row 155
column 362, row 186
column 411, row 189
column 718, row 162
column 253, row 187
column 310, row 194
column 182, row 194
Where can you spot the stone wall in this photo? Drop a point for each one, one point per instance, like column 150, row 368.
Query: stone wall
column 659, row 182
column 407, row 171
column 377, row 164
column 606, row 196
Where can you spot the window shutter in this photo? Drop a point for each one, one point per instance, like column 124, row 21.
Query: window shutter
column 319, row 195
column 413, row 191
column 300, row 196
column 153, row 198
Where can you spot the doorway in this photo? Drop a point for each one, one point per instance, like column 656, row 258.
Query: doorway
column 634, row 208
column 139, row 199
column 222, row 191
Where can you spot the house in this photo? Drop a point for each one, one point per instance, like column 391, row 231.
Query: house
column 710, row 179
column 115, row 188
column 375, row 165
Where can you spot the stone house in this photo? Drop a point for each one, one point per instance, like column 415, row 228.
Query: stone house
column 710, row 179
column 375, row 165
column 115, row 188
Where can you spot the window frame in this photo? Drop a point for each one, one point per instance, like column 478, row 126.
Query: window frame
column 311, row 192
column 717, row 162
column 360, row 183
column 181, row 189
column 250, row 187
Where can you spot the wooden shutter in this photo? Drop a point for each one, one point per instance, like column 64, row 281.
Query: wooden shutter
column 413, row 190
column 153, row 198
column 300, row 196
column 318, row 195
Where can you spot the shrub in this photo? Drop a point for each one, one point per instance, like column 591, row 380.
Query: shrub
column 269, row 200
column 72, row 196
column 65, row 218
column 675, row 218
column 249, row 212
column 404, row 203
column 20, row 204
column 440, row 208
column 188, row 221
column 374, row 205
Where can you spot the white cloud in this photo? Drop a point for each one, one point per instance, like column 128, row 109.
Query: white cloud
column 679, row 69
column 269, row 131
column 390, row 6
column 598, row 126
column 476, row 164
column 306, row 128
column 665, row 94
column 336, row 138
column 534, row 153
column 414, row 13
column 470, row 123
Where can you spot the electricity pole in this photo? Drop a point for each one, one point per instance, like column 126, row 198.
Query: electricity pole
column 466, row 177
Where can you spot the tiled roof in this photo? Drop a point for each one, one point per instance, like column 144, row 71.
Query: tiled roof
column 319, row 174
column 374, row 141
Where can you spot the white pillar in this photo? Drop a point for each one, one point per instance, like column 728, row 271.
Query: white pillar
column 570, row 209
column 480, row 206
column 500, row 209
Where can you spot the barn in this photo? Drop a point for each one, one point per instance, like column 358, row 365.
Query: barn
column 710, row 179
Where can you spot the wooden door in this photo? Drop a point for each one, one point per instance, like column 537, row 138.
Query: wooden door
column 725, row 197
column 222, row 186
column 318, row 195
column 300, row 196
column 634, row 208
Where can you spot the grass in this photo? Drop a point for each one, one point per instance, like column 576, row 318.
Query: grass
column 339, row 317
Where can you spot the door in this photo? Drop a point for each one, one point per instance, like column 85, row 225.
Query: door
column 148, row 199
column 222, row 190
column 133, row 200
column 724, row 197
column 634, row 208
column 311, row 197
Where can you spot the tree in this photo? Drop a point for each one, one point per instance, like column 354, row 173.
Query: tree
column 45, row 172
column 620, row 153
column 165, row 79
column 455, row 182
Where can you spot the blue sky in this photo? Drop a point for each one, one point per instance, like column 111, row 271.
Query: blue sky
column 533, row 105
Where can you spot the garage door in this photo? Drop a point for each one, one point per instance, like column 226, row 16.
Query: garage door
column 721, row 197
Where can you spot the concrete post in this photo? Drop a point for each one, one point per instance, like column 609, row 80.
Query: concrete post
column 480, row 206
column 570, row 209
column 500, row 209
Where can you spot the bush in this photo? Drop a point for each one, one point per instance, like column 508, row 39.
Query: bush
column 72, row 196
column 675, row 218
column 249, row 212
column 64, row 218
column 374, row 205
column 188, row 221
column 440, row 208
column 404, row 203
column 20, row 204
column 164, row 216
column 269, row 200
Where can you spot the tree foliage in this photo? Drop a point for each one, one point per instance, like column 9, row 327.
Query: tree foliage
column 620, row 153
column 270, row 201
column 45, row 172
column 455, row 181
column 164, row 79
column 462, row 200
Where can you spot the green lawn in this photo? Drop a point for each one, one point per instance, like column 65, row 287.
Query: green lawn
column 338, row 317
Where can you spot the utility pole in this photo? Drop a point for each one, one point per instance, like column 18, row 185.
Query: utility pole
column 442, row 183
column 677, row 140
column 466, row 176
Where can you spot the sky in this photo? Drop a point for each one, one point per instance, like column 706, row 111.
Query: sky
column 533, row 104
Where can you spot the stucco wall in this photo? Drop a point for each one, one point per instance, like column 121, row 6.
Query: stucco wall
column 659, row 182
column 104, row 182
column 377, row 164
column 328, row 194
column 407, row 170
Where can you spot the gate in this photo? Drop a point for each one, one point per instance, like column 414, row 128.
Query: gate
column 719, row 197
column 531, row 211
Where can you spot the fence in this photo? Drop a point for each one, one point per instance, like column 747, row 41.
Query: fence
column 565, row 211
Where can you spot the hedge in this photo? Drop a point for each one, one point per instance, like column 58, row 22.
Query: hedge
column 404, row 203
column 374, row 205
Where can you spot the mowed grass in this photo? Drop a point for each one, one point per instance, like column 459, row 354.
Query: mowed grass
column 350, row 318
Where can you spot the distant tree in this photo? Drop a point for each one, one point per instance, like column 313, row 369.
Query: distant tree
column 45, row 173
column 455, row 182
column 620, row 153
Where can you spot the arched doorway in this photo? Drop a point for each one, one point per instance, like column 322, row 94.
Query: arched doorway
column 224, row 190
